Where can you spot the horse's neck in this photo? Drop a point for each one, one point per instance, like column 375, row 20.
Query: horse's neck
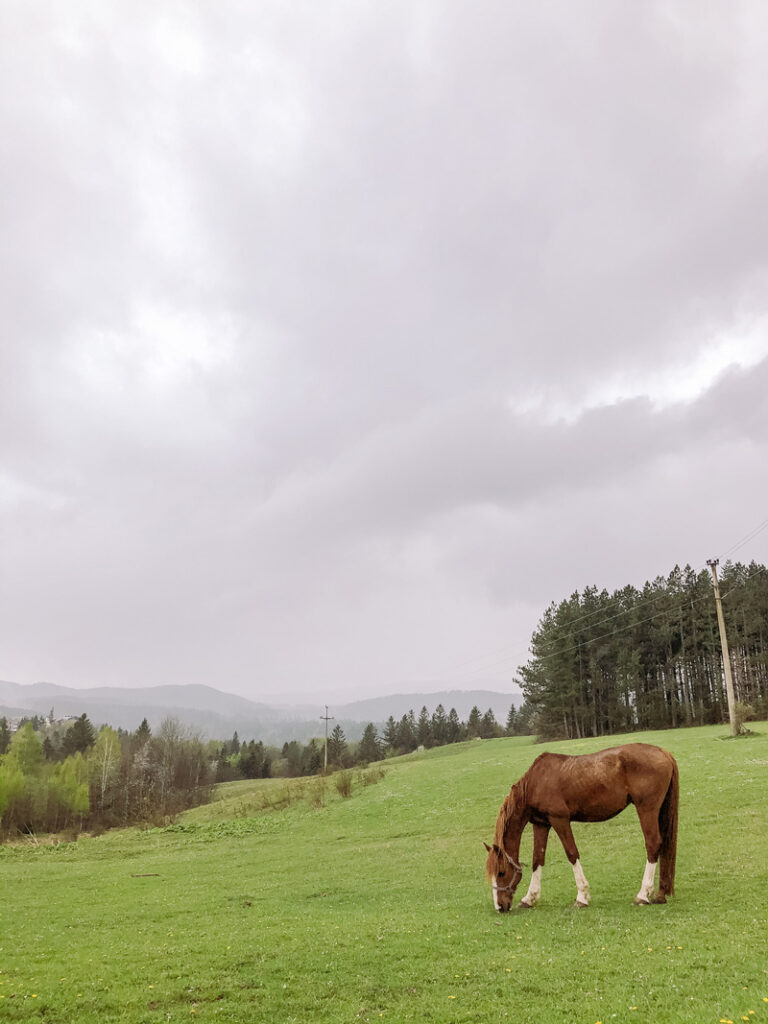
column 511, row 837
column 511, row 822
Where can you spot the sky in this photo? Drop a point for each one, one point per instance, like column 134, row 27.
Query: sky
column 340, row 339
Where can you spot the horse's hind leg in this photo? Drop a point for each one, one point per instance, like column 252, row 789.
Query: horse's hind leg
column 649, row 822
column 645, row 895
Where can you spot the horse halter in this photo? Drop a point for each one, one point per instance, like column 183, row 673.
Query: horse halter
column 511, row 886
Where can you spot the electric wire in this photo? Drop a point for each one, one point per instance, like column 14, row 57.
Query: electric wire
column 483, row 666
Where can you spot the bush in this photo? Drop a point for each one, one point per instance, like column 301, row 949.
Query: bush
column 742, row 713
column 317, row 792
column 369, row 776
column 343, row 782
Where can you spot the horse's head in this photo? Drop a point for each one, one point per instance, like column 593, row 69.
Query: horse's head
column 504, row 874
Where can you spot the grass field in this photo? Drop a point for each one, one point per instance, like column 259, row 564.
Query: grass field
column 376, row 907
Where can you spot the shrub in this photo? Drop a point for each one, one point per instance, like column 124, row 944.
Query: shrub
column 343, row 781
column 742, row 713
column 317, row 792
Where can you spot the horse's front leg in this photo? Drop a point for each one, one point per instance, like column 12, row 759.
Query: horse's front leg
column 563, row 828
column 540, row 836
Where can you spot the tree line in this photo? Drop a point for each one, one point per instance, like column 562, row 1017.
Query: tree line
column 68, row 776
column 255, row 760
column 649, row 658
column 63, row 777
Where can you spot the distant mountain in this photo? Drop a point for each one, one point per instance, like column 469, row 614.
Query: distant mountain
column 378, row 709
column 208, row 711
column 217, row 715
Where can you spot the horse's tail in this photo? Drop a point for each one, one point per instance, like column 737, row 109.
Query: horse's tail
column 668, row 829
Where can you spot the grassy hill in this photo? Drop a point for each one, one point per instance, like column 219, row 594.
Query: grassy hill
column 375, row 907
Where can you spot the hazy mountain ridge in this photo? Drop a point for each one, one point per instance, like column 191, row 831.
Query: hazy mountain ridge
column 217, row 715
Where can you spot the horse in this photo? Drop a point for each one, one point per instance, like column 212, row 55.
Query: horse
column 559, row 788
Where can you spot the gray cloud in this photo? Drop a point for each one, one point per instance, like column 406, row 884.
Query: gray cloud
column 313, row 318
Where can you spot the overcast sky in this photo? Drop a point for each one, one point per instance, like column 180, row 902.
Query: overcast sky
column 338, row 339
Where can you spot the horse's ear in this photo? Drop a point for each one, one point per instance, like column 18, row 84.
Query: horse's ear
column 487, row 847
column 496, row 849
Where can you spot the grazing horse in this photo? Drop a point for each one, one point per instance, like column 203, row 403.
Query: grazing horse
column 558, row 789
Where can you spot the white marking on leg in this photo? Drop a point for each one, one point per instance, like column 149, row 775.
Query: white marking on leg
column 534, row 889
column 495, row 895
column 646, row 889
column 582, row 885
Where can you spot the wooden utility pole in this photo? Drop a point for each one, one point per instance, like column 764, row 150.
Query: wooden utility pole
column 713, row 563
column 326, row 718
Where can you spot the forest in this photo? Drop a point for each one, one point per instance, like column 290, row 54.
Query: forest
column 649, row 658
column 68, row 776
column 601, row 663
column 64, row 777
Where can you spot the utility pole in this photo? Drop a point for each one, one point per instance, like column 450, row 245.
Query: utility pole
column 326, row 718
column 713, row 563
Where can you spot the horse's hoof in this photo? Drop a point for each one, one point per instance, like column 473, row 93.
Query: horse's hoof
column 579, row 904
column 525, row 906
column 640, row 903
column 659, row 897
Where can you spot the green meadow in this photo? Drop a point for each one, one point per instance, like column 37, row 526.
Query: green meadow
column 269, row 905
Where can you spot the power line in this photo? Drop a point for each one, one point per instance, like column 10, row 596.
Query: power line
column 750, row 536
column 482, row 664
column 656, row 615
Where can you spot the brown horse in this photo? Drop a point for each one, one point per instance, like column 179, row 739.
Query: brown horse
column 558, row 789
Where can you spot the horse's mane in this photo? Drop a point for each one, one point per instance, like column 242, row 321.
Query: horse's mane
column 506, row 812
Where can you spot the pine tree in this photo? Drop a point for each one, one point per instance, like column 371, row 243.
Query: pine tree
column 312, row 759
column 79, row 737
column 424, row 728
column 143, row 734
column 454, row 727
column 390, row 734
column 439, row 726
column 369, row 749
column 406, row 733
column 337, row 747
column 489, row 727
column 509, row 729
column 473, row 722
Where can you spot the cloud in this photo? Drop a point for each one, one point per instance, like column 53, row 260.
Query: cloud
column 339, row 341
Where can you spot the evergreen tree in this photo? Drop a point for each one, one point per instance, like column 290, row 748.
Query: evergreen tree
column 143, row 734
column 312, row 759
column 252, row 760
column 454, row 728
column 79, row 737
column 406, row 733
column 293, row 754
column 369, row 749
column 337, row 747
column 439, row 726
column 489, row 727
column 424, row 728
column 510, row 727
column 473, row 722
column 647, row 658
column 389, row 735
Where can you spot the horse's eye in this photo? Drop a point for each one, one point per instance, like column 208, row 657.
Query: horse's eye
column 501, row 874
